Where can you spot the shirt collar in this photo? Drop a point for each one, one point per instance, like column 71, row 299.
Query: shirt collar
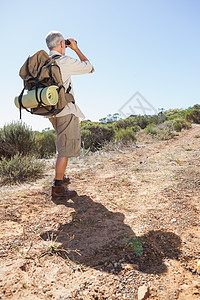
column 53, row 52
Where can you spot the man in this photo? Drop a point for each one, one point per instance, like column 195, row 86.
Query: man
column 66, row 123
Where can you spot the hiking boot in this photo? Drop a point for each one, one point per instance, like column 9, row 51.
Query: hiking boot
column 61, row 192
column 66, row 180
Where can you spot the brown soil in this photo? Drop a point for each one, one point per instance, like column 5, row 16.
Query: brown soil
column 135, row 222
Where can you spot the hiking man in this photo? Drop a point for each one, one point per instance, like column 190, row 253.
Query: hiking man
column 66, row 122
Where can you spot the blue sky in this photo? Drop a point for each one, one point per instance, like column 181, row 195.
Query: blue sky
column 149, row 46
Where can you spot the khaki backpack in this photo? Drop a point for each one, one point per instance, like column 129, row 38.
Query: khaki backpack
column 40, row 71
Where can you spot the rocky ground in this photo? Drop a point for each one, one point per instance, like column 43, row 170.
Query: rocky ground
column 132, row 229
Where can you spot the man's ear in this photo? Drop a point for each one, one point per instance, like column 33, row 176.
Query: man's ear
column 62, row 44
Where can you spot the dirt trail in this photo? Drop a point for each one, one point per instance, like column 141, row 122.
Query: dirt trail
column 135, row 222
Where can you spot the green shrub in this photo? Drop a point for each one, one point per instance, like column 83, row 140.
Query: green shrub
column 157, row 119
column 162, row 131
column 16, row 138
column 151, row 129
column 87, row 122
column 193, row 116
column 46, row 146
column 196, row 106
column 177, row 126
column 20, row 168
column 124, row 123
column 180, row 124
column 176, row 113
column 141, row 121
column 125, row 135
column 86, row 138
column 165, row 134
column 135, row 128
column 98, row 136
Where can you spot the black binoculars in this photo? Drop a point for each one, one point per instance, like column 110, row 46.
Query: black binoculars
column 67, row 43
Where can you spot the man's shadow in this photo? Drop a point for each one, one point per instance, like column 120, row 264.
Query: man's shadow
column 99, row 238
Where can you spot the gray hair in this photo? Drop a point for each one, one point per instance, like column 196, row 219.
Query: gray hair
column 53, row 39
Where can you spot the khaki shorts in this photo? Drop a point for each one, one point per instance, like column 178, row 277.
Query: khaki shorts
column 68, row 139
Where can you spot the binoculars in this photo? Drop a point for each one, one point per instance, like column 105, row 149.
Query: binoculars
column 67, row 43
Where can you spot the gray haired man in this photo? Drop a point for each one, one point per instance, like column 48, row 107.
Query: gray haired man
column 66, row 123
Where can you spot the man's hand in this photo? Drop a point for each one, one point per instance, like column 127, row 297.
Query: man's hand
column 74, row 47
column 73, row 44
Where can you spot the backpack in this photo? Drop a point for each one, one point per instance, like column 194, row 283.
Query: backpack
column 41, row 71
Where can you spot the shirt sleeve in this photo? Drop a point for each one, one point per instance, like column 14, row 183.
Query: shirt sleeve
column 75, row 66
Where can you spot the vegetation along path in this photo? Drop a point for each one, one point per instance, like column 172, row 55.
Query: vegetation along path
column 133, row 226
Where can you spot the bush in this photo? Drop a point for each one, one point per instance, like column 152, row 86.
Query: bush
column 177, row 126
column 87, row 122
column 151, row 129
column 141, row 121
column 193, row 116
column 196, row 106
column 124, row 123
column 94, row 136
column 20, row 168
column 180, row 124
column 86, row 138
column 158, row 119
column 125, row 135
column 135, row 128
column 165, row 134
column 16, row 138
column 162, row 132
column 177, row 113
column 46, row 146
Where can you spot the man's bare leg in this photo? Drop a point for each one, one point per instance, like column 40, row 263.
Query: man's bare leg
column 58, row 190
column 61, row 165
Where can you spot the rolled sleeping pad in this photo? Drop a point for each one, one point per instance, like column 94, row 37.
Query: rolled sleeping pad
column 49, row 96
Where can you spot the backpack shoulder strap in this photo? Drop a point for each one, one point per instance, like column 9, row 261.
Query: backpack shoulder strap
column 56, row 56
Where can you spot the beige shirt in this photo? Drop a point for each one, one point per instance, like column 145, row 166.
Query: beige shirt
column 71, row 66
